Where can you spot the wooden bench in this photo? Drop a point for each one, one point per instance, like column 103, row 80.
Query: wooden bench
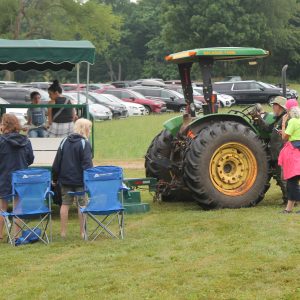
column 44, row 150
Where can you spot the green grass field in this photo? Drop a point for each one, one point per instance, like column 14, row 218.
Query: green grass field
column 176, row 251
column 295, row 86
column 127, row 138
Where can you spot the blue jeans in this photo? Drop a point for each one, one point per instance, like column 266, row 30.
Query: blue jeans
column 37, row 132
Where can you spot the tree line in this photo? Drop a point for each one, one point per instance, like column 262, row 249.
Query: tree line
column 132, row 39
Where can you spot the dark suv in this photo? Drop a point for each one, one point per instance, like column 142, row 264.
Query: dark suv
column 174, row 100
column 249, row 92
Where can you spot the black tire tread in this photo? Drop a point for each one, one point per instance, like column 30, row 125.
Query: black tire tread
column 199, row 150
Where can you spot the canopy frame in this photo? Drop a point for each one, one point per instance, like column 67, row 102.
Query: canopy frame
column 44, row 54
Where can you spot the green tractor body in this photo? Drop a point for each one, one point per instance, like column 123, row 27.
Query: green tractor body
column 219, row 160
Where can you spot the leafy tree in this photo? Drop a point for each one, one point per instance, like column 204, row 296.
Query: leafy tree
column 132, row 39
column 60, row 19
column 256, row 23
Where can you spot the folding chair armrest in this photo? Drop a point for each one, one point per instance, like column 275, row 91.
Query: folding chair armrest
column 48, row 192
column 79, row 193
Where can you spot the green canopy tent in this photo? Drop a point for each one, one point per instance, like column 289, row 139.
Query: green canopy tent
column 43, row 55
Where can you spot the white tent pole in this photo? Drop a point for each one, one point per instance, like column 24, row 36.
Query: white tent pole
column 87, row 81
column 78, row 82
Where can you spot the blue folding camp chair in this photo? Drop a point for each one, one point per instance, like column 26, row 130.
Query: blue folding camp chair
column 31, row 202
column 104, row 186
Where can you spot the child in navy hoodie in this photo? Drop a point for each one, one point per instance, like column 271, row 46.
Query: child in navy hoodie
column 73, row 156
column 15, row 153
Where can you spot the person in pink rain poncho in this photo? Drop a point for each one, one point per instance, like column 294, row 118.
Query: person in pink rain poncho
column 289, row 157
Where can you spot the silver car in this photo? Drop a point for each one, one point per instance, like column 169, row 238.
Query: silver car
column 20, row 113
column 98, row 111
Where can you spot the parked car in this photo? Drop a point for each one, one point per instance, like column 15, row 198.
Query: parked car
column 123, row 84
column 223, row 99
column 152, row 82
column 175, row 81
column 93, row 87
column 251, row 91
column 139, row 81
column 73, row 87
column 134, row 109
column 128, row 95
column 118, row 110
column 98, row 111
column 232, row 78
column 21, row 95
column 174, row 100
column 20, row 113
column 99, row 87
column 43, row 85
column 2, row 82
column 178, row 88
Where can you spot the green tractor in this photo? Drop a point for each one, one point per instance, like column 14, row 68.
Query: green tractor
column 219, row 160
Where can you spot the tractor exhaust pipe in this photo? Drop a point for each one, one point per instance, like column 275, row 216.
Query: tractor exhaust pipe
column 283, row 76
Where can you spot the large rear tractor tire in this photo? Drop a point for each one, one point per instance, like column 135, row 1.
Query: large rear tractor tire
column 160, row 149
column 226, row 166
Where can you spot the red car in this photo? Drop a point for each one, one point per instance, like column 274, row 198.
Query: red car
column 93, row 87
column 99, row 87
column 151, row 106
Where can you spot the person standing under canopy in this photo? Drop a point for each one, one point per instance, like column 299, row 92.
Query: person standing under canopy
column 60, row 120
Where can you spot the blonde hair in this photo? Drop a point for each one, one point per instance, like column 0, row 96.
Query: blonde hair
column 83, row 126
column 295, row 112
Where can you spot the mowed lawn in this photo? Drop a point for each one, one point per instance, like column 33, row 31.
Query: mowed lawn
column 125, row 139
column 176, row 251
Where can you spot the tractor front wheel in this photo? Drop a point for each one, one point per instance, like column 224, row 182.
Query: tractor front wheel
column 226, row 166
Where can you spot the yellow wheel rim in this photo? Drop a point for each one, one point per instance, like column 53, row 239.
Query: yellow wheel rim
column 233, row 169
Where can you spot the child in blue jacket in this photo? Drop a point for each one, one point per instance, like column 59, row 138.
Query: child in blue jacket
column 72, row 158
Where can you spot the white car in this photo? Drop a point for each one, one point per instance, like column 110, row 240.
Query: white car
column 8, row 82
column 98, row 111
column 134, row 109
column 20, row 113
column 225, row 100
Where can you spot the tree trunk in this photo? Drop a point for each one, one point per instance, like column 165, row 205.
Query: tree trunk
column 111, row 71
column 19, row 20
column 120, row 72
column 10, row 75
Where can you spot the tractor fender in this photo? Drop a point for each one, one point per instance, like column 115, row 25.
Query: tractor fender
column 197, row 124
column 174, row 125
